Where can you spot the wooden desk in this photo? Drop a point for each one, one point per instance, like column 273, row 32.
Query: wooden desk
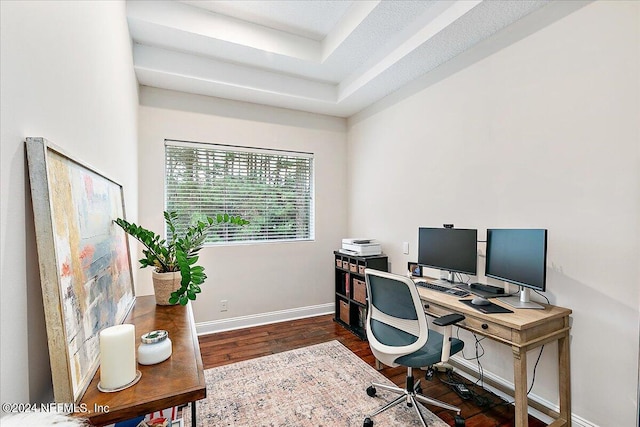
column 522, row 330
column 176, row 381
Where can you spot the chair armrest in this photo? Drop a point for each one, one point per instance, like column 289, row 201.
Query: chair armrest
column 446, row 322
column 449, row 319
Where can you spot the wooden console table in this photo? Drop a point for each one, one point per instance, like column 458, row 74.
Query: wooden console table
column 176, row 381
column 522, row 330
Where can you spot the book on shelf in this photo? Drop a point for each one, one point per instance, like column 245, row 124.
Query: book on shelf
column 362, row 318
column 346, row 284
column 169, row 417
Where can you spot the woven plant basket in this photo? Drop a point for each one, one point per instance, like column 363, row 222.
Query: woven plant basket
column 164, row 284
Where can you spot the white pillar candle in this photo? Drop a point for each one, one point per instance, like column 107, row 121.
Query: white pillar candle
column 117, row 356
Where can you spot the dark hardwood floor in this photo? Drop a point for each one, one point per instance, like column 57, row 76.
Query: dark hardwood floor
column 233, row 346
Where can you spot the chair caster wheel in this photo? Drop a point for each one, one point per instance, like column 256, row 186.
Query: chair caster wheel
column 458, row 421
column 368, row 422
column 418, row 390
column 371, row 391
column 429, row 374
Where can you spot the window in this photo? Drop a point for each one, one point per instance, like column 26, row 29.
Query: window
column 271, row 189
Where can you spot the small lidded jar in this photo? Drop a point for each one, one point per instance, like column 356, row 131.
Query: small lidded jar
column 155, row 347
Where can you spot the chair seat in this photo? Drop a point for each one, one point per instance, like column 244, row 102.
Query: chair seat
column 429, row 354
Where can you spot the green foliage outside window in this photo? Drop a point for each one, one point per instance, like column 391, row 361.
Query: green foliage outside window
column 272, row 190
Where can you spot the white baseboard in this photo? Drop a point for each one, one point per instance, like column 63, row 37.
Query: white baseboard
column 575, row 420
column 214, row 326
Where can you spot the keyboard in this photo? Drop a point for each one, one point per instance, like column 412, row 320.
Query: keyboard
column 443, row 289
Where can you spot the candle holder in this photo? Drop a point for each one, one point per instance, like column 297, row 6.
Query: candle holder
column 113, row 390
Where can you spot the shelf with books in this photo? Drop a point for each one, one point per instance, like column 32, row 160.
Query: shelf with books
column 350, row 289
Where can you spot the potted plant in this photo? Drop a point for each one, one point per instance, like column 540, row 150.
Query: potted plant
column 177, row 277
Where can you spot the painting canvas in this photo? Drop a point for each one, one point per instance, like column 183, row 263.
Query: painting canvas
column 85, row 267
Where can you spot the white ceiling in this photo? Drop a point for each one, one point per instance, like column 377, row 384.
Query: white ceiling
column 332, row 57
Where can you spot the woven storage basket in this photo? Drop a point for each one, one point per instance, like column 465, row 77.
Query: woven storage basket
column 164, row 284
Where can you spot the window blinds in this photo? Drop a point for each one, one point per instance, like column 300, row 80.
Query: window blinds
column 271, row 189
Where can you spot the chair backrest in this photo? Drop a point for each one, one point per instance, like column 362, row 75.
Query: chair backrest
column 396, row 323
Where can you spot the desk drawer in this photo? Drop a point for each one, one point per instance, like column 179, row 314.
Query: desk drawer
column 471, row 323
column 486, row 328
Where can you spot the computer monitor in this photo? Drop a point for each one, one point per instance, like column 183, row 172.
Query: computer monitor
column 452, row 249
column 518, row 256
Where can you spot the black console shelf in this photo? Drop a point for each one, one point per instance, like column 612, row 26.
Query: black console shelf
column 350, row 289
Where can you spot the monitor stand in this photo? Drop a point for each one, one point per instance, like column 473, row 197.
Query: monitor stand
column 449, row 282
column 522, row 301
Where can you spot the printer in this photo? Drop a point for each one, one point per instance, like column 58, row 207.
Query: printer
column 360, row 247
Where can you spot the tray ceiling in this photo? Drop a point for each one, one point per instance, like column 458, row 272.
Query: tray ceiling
column 322, row 56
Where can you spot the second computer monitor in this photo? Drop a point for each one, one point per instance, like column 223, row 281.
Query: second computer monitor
column 451, row 249
column 518, row 256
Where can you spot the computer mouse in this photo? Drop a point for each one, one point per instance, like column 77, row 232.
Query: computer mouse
column 480, row 301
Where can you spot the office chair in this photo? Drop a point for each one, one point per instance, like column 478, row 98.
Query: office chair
column 399, row 335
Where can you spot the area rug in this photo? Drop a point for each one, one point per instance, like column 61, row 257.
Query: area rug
column 321, row 385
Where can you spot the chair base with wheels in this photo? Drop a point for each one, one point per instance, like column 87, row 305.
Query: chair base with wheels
column 411, row 395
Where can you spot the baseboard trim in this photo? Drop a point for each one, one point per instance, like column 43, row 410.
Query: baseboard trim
column 205, row 328
column 575, row 420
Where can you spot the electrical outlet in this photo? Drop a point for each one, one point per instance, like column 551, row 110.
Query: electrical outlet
column 224, row 305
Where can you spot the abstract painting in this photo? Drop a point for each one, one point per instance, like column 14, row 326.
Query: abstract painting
column 85, row 267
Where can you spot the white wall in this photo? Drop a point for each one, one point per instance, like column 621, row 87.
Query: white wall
column 261, row 278
column 66, row 75
column 544, row 133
